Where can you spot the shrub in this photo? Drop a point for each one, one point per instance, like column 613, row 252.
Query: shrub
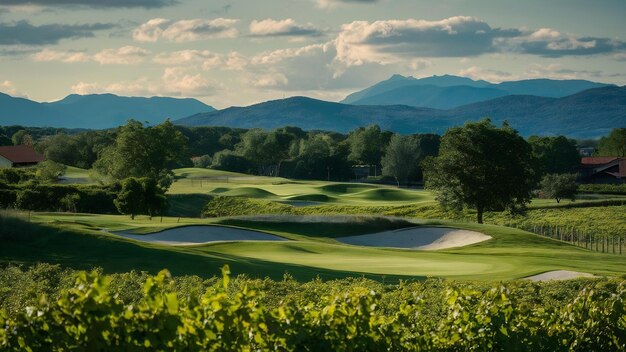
column 342, row 315
column 228, row 206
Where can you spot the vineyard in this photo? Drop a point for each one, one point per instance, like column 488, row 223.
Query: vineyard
column 139, row 312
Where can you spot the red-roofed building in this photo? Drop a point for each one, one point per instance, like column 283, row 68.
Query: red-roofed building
column 603, row 169
column 19, row 156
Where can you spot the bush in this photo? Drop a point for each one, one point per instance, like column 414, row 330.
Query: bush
column 342, row 315
column 53, row 197
column 603, row 189
column 228, row 206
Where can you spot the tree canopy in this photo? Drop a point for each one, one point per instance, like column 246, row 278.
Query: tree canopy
column 555, row 155
column 401, row 157
column 614, row 144
column 559, row 186
column 140, row 151
column 482, row 167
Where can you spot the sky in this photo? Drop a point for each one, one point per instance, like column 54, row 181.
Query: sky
column 241, row 52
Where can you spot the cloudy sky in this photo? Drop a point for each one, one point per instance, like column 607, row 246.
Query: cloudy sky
column 239, row 52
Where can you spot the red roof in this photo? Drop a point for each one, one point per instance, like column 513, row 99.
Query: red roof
column 18, row 154
column 597, row 160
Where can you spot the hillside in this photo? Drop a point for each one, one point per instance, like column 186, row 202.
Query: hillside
column 95, row 111
column 432, row 96
column 445, row 92
column 587, row 114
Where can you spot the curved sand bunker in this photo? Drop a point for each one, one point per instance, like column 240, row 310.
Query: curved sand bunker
column 558, row 275
column 190, row 235
column 424, row 238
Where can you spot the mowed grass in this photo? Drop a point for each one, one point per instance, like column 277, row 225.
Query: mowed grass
column 213, row 182
column 79, row 241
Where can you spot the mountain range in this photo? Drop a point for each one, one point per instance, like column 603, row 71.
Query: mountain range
column 587, row 114
column 447, row 92
column 575, row 108
column 95, row 111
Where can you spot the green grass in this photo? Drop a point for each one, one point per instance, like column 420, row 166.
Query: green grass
column 77, row 241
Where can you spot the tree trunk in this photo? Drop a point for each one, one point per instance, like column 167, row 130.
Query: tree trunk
column 132, row 216
column 479, row 215
column 397, row 181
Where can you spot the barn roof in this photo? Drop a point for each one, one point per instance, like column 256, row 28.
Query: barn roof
column 597, row 160
column 20, row 154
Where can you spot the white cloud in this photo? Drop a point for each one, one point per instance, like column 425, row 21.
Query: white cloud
column 185, row 56
column 391, row 41
column 127, row 55
column 47, row 55
column 9, row 88
column 175, row 81
column 282, row 28
column 185, row 30
column 489, row 75
column 269, row 80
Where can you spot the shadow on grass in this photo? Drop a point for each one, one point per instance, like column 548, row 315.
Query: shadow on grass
column 82, row 248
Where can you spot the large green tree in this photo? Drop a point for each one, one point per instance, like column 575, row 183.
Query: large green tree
column 401, row 157
column 140, row 196
column 614, row 144
column 367, row 146
column 482, row 167
column 140, row 151
column 555, row 155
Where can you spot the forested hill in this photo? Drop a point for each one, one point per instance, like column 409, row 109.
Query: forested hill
column 95, row 110
column 590, row 113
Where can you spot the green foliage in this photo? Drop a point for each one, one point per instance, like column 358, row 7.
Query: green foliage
column 555, row 155
column 603, row 189
column 15, row 175
column 367, row 145
column 50, row 171
column 400, row 159
column 54, row 197
column 228, row 160
column 559, row 186
column 140, row 196
column 140, row 151
column 203, row 161
column 482, row 167
column 220, row 206
column 44, row 310
column 22, row 137
column 614, row 144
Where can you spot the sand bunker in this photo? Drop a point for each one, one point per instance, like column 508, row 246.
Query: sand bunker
column 190, row 235
column 424, row 238
column 558, row 275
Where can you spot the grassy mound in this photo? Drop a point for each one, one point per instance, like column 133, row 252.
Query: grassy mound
column 220, row 206
column 386, row 194
column 343, row 188
column 312, row 198
column 249, row 192
column 186, row 205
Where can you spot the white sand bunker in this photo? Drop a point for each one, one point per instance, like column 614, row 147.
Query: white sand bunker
column 190, row 235
column 558, row 275
column 425, row 238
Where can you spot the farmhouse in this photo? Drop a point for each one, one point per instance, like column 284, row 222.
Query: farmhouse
column 19, row 156
column 603, row 169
